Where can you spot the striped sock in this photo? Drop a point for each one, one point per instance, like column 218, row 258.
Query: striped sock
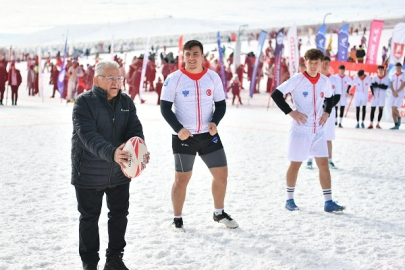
column 290, row 193
column 327, row 193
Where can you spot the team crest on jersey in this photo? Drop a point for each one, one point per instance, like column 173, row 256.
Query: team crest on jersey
column 209, row 92
column 305, row 94
column 333, row 87
column 167, row 81
column 215, row 139
column 322, row 94
column 185, row 93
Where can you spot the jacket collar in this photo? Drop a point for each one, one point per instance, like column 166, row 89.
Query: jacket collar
column 103, row 93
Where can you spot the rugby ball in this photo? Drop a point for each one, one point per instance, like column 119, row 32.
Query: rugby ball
column 138, row 155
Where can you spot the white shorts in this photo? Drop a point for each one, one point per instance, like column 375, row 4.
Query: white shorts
column 360, row 99
column 71, row 89
column 378, row 99
column 303, row 143
column 397, row 101
column 329, row 127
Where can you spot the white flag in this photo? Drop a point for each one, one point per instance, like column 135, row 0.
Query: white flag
column 397, row 44
column 293, row 50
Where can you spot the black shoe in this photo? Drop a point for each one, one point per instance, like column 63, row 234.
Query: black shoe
column 340, row 125
column 178, row 225
column 225, row 219
column 114, row 262
column 89, row 266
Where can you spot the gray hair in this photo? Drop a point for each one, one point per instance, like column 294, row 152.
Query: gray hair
column 98, row 70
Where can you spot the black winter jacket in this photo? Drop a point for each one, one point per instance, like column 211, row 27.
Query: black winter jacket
column 98, row 130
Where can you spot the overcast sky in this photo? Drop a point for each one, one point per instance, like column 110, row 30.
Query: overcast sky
column 27, row 16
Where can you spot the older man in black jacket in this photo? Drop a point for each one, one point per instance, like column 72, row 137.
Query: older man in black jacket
column 103, row 120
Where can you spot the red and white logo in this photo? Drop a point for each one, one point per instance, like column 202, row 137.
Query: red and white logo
column 333, row 87
column 322, row 94
column 398, row 50
column 209, row 92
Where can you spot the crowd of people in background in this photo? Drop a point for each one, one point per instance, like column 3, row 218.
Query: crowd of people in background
column 79, row 78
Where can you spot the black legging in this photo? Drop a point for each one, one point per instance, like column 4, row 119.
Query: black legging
column 342, row 111
column 380, row 112
column 358, row 113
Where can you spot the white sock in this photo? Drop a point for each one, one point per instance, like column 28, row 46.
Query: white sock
column 218, row 211
column 329, row 160
column 290, row 193
column 178, row 216
column 327, row 194
column 341, row 118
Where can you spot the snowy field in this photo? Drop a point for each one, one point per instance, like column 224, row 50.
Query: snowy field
column 39, row 220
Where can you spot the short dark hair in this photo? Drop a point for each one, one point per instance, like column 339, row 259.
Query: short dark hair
column 326, row 58
column 192, row 43
column 360, row 73
column 342, row 67
column 313, row 54
column 380, row 67
column 398, row 64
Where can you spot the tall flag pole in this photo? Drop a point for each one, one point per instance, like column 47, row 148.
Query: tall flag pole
column 374, row 41
column 343, row 43
column 321, row 38
column 259, row 50
column 62, row 71
column 144, row 63
column 112, row 49
column 40, row 83
column 221, row 63
column 180, row 54
column 293, row 47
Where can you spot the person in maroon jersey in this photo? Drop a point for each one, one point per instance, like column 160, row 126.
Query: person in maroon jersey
column 158, row 89
column 239, row 71
column 235, row 87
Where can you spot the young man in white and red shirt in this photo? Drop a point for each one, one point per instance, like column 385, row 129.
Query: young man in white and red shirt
column 330, row 124
column 198, row 98
column 379, row 85
column 343, row 83
column 397, row 89
column 362, row 83
column 310, row 90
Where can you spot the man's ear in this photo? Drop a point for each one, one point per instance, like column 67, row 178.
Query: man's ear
column 95, row 81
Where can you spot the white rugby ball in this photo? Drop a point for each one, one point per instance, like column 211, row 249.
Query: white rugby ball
column 137, row 162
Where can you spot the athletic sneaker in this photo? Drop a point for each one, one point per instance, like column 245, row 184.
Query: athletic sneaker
column 226, row 219
column 378, row 126
column 395, row 127
column 89, row 266
column 370, row 126
column 362, row 125
column 331, row 165
column 335, row 123
column 331, row 206
column 340, row 125
column 358, row 125
column 399, row 122
column 309, row 164
column 114, row 262
column 178, row 225
column 290, row 205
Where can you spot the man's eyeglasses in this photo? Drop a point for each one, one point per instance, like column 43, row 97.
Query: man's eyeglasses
column 112, row 78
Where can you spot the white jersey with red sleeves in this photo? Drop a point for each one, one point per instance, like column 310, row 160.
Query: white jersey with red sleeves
column 342, row 82
column 379, row 94
column 308, row 94
column 193, row 97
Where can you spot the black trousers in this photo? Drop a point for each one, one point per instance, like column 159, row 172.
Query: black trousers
column 89, row 205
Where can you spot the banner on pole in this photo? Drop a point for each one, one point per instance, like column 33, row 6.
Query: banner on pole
column 259, row 50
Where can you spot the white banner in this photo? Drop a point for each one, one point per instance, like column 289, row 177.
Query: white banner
column 397, row 44
column 293, row 50
column 144, row 63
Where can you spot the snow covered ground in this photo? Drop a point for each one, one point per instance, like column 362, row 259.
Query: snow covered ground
column 39, row 219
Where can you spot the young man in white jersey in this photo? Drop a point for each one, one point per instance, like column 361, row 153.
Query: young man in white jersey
column 310, row 90
column 379, row 85
column 330, row 124
column 343, row 83
column 397, row 89
column 362, row 83
column 198, row 98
